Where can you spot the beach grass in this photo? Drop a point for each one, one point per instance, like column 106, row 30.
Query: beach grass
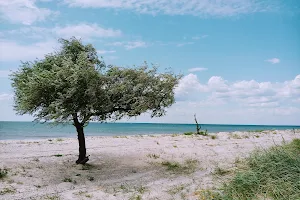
column 269, row 174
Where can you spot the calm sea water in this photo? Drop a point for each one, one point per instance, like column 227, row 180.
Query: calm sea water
column 32, row 130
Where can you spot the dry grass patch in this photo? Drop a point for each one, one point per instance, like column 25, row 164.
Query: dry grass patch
column 187, row 167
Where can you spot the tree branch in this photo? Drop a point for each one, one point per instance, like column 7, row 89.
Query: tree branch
column 86, row 118
column 75, row 119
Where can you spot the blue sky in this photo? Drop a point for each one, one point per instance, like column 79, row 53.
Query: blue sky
column 240, row 58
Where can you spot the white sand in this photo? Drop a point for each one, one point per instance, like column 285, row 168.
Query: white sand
column 125, row 167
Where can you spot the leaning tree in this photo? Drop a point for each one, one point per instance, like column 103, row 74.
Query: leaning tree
column 74, row 85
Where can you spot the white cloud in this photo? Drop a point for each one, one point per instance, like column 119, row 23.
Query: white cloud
column 246, row 93
column 199, row 37
column 32, row 32
column 273, row 60
column 84, row 30
column 189, row 85
column 5, row 96
column 266, row 104
column 217, row 83
column 23, row 11
column 135, row 44
column 130, row 45
column 197, row 69
column 203, row 8
column 290, row 88
column 81, row 30
column 10, row 50
column 13, row 51
column 105, row 51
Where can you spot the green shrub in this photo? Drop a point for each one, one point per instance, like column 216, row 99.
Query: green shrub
column 67, row 180
column 270, row 174
column 3, row 173
column 7, row 191
column 213, row 137
column 189, row 133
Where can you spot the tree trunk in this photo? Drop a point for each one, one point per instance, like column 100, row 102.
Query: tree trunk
column 82, row 158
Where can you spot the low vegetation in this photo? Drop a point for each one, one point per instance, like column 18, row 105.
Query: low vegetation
column 206, row 194
column 3, row 173
column 154, row 156
column 236, row 136
column 7, row 191
column 256, row 131
column 267, row 174
column 85, row 193
column 189, row 166
column 176, row 189
column 53, row 197
column 67, row 180
column 136, row 197
column 213, row 137
column 189, row 133
column 87, row 167
column 58, row 155
column 204, row 133
column 221, row 171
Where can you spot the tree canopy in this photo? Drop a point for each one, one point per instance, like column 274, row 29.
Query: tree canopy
column 74, row 85
column 74, row 80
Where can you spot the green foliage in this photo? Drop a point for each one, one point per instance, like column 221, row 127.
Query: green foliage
column 141, row 189
column 221, row 171
column 7, row 191
column 236, row 136
column 74, row 83
column 189, row 166
column 213, row 137
column 271, row 174
column 189, row 133
column 204, row 133
column 198, row 128
column 53, row 197
column 257, row 131
column 67, row 180
column 176, row 189
column 155, row 156
column 87, row 167
column 3, row 173
column 207, row 195
column 136, row 197
column 171, row 165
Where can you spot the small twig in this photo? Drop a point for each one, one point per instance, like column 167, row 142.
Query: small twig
column 197, row 125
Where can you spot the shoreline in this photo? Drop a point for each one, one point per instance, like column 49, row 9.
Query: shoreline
column 125, row 167
column 38, row 138
column 95, row 122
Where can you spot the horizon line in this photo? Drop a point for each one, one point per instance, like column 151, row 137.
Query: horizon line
column 169, row 123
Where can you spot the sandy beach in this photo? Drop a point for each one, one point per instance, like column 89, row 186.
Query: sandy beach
column 128, row 167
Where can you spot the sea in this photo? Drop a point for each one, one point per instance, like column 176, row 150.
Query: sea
column 34, row 130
